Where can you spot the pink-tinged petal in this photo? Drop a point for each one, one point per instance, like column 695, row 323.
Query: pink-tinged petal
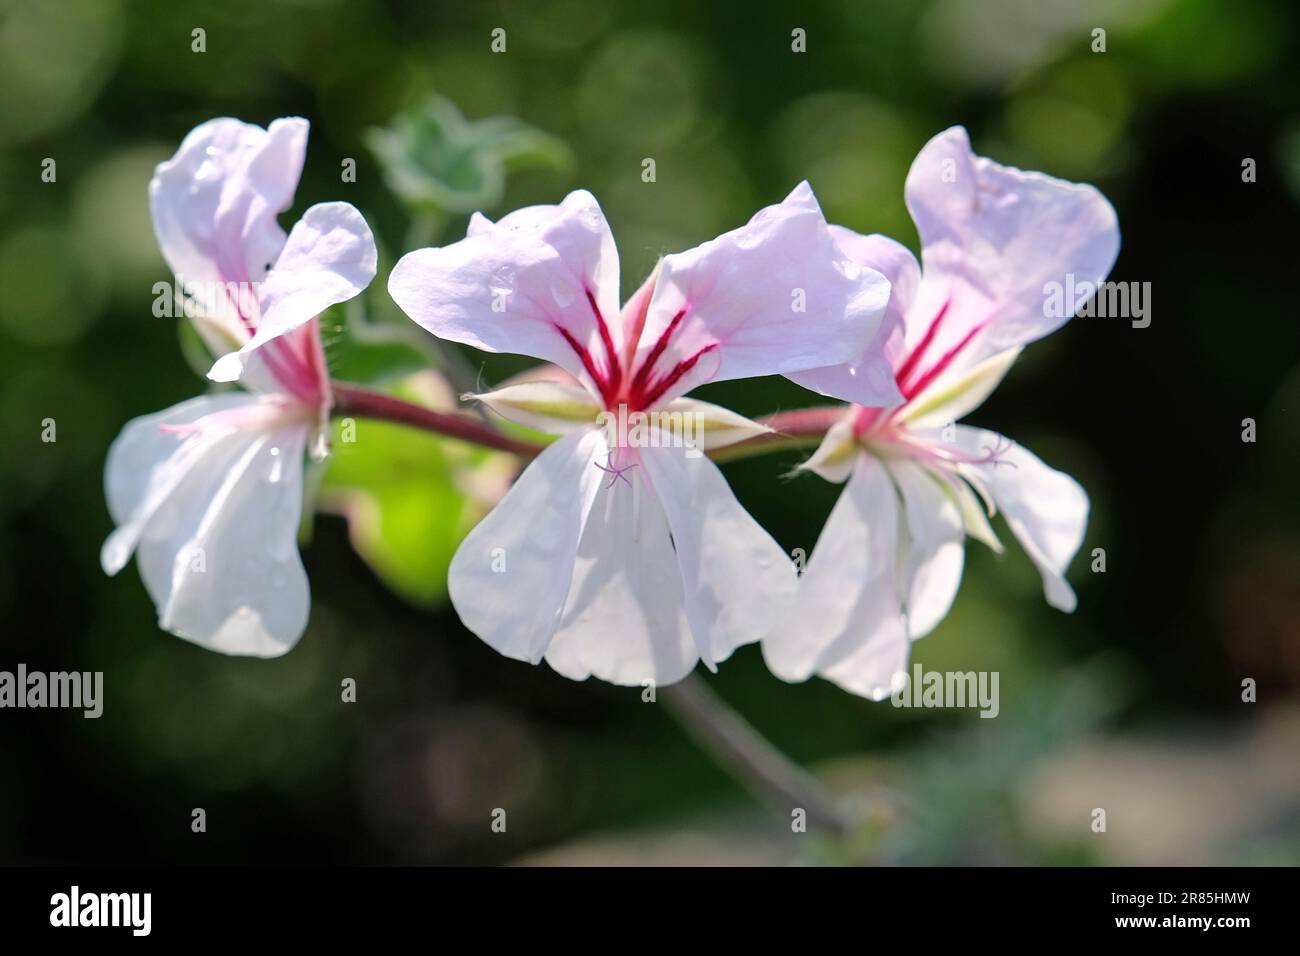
column 869, row 378
column 957, row 392
column 542, row 282
column 250, row 595
column 867, row 381
column 625, row 619
column 214, row 206
column 775, row 296
column 935, row 547
column 146, row 462
column 554, row 407
column 1046, row 509
column 847, row 623
column 631, row 321
column 510, row 578
column 992, row 238
column 329, row 258
column 705, row 426
column 737, row 581
column 838, row 452
column 896, row 263
column 213, row 517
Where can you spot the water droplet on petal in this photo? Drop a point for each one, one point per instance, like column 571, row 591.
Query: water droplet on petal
column 275, row 473
column 849, row 269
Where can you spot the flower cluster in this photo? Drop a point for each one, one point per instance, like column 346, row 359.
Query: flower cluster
column 208, row 494
column 621, row 552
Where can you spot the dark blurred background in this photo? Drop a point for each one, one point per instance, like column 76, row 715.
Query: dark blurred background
column 1132, row 704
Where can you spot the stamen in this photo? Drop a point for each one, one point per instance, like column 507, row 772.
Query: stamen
column 615, row 471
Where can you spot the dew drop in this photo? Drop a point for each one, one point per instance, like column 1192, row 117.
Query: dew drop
column 276, row 472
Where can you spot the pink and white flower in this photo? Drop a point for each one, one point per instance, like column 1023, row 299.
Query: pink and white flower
column 208, row 494
column 619, row 558
column 888, row 564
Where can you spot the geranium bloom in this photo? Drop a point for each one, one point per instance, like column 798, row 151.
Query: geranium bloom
column 208, row 494
column 616, row 554
column 888, row 564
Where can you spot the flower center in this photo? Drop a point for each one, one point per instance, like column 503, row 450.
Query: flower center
column 640, row 388
column 914, row 376
column 294, row 360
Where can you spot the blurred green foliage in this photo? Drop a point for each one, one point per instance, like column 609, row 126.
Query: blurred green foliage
column 437, row 162
column 410, row 497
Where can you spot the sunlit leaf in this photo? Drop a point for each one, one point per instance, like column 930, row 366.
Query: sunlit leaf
column 409, row 497
column 436, row 160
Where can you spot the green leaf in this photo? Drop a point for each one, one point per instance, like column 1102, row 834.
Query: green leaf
column 410, row 497
column 436, row 160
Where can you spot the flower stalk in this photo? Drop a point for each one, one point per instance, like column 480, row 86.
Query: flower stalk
column 368, row 403
column 764, row 770
column 799, row 428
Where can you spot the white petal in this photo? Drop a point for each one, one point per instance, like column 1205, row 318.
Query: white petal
column 625, row 619
column 891, row 259
column 214, row 205
column 992, row 238
column 935, row 547
column 240, row 510
column 510, row 577
column 213, row 519
column 330, row 257
column 738, row 581
column 846, row 622
column 146, row 462
column 869, row 378
column 521, row 284
column 974, row 515
column 836, row 456
column 707, row 426
column 775, row 296
column 868, row 381
column 553, row 407
column 957, row 392
column 1047, row 510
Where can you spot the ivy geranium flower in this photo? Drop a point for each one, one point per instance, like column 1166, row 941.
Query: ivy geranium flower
column 616, row 553
column 888, row 563
column 208, row 494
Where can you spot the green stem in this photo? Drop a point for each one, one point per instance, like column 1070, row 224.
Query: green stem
column 767, row 772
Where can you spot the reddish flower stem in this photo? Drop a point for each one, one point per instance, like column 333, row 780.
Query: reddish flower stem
column 367, row 403
column 799, row 428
